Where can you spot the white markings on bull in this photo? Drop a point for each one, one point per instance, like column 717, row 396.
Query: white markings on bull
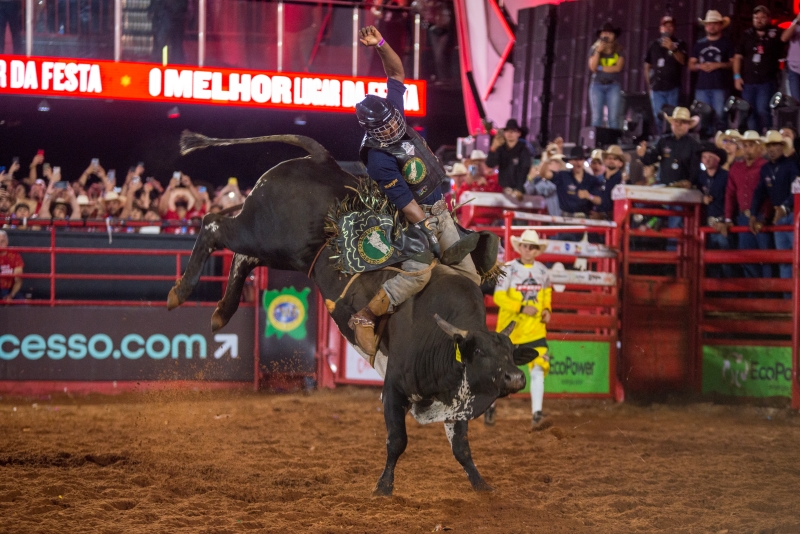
column 450, row 431
column 459, row 409
column 212, row 226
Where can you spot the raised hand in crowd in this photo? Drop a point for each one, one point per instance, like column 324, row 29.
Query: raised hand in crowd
column 13, row 168
column 498, row 140
column 641, row 150
column 38, row 159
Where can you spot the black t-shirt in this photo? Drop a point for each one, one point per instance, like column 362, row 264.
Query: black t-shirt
column 719, row 51
column 665, row 71
column 567, row 188
column 761, row 55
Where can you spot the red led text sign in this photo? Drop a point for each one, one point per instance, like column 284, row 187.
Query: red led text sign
column 223, row 87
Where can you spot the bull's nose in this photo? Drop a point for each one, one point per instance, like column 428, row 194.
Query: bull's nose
column 514, row 380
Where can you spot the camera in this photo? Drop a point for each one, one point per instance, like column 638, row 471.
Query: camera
column 56, row 170
column 176, row 175
column 605, row 39
column 95, row 162
column 135, row 180
column 112, row 174
column 201, row 189
column 60, row 185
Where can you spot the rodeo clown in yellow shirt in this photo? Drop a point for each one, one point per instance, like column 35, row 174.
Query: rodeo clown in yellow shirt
column 524, row 295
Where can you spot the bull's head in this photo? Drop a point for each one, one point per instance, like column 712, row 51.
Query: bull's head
column 489, row 360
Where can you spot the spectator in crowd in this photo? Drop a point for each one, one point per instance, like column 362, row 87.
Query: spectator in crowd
column 596, row 162
column 743, row 178
column 606, row 61
column 458, row 178
column 790, row 135
column 111, row 205
column 59, row 202
column 577, row 189
column 712, row 58
column 662, row 69
column 729, row 141
column 11, row 15
column 6, row 202
column 775, row 186
column 536, row 185
column 479, row 176
column 11, row 265
column 437, row 16
column 756, row 67
column 713, row 182
column 169, row 24
column 87, row 207
column 677, row 153
column 614, row 161
column 791, row 35
column 511, row 157
column 22, row 211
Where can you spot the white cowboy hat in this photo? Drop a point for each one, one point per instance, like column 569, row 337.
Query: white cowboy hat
column 477, row 154
column 682, row 114
column 83, row 200
column 713, row 15
column 458, row 168
column 597, row 154
column 752, row 135
column 774, row 136
column 529, row 237
column 727, row 134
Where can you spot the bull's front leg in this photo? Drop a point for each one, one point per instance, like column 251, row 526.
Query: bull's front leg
column 394, row 413
column 457, row 435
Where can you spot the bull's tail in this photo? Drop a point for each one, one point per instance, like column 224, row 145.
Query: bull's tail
column 191, row 141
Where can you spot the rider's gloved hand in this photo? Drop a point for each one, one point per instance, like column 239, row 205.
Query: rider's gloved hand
column 427, row 227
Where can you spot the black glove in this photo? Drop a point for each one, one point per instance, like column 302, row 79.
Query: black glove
column 433, row 243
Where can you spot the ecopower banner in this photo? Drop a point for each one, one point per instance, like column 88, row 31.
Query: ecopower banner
column 575, row 367
column 121, row 343
column 747, row 371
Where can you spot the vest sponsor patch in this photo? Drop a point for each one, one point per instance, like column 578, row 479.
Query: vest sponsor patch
column 373, row 246
column 408, row 148
column 414, row 171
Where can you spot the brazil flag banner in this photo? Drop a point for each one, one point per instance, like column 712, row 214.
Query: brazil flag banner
column 286, row 312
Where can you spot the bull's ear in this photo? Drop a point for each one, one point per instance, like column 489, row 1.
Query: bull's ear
column 523, row 355
column 449, row 329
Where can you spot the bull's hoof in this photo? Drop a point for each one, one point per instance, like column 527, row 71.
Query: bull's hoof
column 173, row 301
column 382, row 490
column 482, row 487
column 217, row 321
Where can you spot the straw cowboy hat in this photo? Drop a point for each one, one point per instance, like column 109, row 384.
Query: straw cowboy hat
column 616, row 151
column 727, row 134
column 682, row 114
column 458, row 169
column 774, row 136
column 597, row 155
column 752, row 135
column 713, row 15
column 112, row 195
column 83, row 200
column 528, row 237
column 477, row 154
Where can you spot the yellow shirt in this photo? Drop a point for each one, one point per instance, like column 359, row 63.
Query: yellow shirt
column 523, row 285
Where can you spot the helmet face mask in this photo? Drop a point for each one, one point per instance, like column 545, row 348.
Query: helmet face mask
column 393, row 130
column 380, row 119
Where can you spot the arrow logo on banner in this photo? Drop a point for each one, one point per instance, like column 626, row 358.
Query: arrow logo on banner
column 229, row 341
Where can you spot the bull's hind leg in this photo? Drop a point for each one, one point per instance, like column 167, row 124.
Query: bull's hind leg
column 240, row 269
column 213, row 234
column 394, row 413
column 457, row 435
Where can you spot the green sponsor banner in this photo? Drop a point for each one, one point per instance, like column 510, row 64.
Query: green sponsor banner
column 575, row 367
column 747, row 371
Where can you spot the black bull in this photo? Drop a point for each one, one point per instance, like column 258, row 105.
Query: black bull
column 281, row 225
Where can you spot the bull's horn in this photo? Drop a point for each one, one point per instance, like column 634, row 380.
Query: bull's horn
column 449, row 329
column 510, row 328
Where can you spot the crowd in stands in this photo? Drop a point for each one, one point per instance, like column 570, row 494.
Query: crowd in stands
column 43, row 193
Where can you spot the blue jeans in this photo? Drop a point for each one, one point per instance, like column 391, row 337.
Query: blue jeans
column 783, row 241
column 758, row 95
column 716, row 99
column 748, row 241
column 601, row 96
column 658, row 99
column 719, row 242
column 794, row 83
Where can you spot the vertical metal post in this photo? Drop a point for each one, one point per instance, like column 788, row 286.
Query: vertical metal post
column 28, row 28
column 416, row 46
column 355, row 41
column 201, row 33
column 280, row 36
column 117, row 30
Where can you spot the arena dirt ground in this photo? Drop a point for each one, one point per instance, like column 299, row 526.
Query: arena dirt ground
column 237, row 462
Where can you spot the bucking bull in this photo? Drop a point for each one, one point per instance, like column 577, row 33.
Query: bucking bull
column 443, row 364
